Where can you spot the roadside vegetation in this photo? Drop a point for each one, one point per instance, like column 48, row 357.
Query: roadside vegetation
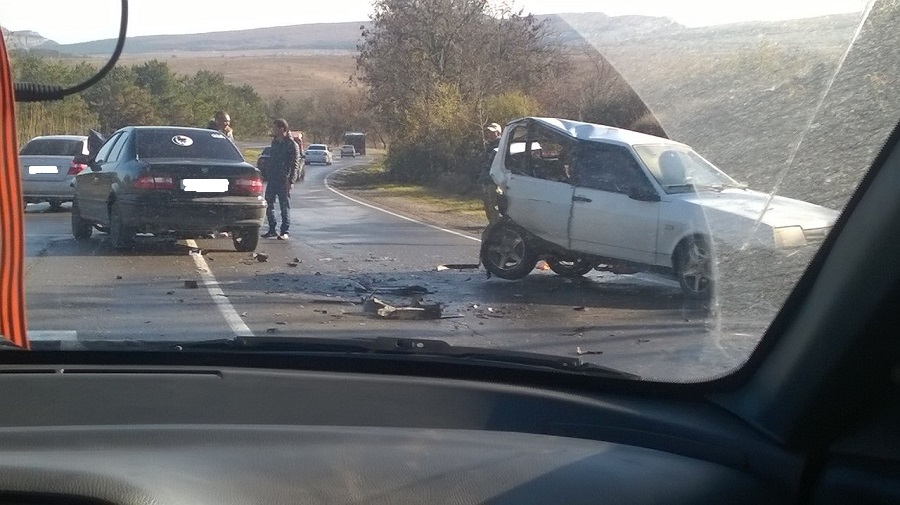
column 148, row 93
column 436, row 74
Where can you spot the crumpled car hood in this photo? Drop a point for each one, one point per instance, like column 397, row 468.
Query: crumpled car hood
column 751, row 205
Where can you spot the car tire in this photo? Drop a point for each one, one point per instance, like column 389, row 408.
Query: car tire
column 508, row 254
column 693, row 266
column 55, row 204
column 121, row 236
column 571, row 269
column 245, row 239
column 81, row 229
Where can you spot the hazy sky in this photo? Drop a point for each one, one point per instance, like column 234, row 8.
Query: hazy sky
column 67, row 21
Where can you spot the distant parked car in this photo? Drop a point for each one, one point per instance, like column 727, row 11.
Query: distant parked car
column 168, row 180
column 48, row 168
column 318, row 153
column 348, row 150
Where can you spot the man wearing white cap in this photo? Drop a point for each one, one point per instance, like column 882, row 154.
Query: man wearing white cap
column 489, row 188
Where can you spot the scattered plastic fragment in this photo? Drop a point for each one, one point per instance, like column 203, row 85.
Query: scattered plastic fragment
column 458, row 266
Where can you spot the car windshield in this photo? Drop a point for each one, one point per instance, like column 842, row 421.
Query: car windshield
column 185, row 144
column 678, row 169
column 635, row 186
column 53, row 147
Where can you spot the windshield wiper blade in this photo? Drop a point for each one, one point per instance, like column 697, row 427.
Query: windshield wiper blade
column 429, row 348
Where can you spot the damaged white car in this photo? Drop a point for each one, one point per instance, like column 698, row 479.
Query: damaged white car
column 584, row 196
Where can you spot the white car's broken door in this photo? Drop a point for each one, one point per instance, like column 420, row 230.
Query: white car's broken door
column 616, row 209
column 538, row 191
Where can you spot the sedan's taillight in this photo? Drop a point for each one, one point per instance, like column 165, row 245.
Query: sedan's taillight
column 248, row 186
column 76, row 168
column 154, row 182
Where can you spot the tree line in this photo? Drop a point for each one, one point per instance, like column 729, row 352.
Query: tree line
column 142, row 94
column 436, row 72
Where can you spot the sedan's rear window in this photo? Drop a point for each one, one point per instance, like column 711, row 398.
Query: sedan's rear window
column 53, row 147
column 317, row 147
column 183, row 144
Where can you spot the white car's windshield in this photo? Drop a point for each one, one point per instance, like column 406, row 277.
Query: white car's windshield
column 679, row 169
column 631, row 185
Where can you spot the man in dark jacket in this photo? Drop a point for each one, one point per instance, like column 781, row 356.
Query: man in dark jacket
column 283, row 167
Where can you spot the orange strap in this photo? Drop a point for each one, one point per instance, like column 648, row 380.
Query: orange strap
column 12, row 228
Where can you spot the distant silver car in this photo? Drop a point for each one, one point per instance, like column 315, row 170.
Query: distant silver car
column 317, row 153
column 48, row 168
column 348, row 150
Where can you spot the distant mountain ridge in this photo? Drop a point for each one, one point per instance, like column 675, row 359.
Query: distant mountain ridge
column 569, row 28
column 26, row 39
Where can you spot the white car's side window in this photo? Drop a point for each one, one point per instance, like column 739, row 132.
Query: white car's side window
column 541, row 153
column 608, row 168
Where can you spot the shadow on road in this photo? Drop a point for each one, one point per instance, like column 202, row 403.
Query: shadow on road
column 100, row 245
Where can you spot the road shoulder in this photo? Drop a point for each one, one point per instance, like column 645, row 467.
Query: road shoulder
column 369, row 185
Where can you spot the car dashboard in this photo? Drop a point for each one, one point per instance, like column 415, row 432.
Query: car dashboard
column 178, row 435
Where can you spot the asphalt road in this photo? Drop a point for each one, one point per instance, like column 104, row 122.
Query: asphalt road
column 349, row 252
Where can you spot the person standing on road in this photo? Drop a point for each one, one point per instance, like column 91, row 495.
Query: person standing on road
column 488, row 186
column 283, row 168
column 222, row 123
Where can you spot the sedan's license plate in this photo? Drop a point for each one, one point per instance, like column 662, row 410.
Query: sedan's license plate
column 205, row 185
column 42, row 169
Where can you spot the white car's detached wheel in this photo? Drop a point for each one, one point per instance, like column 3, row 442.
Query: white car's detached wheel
column 693, row 266
column 509, row 256
column 81, row 229
column 121, row 236
column 565, row 268
column 245, row 239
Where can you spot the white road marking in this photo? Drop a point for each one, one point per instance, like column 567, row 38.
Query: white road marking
column 212, row 285
column 53, row 335
column 354, row 200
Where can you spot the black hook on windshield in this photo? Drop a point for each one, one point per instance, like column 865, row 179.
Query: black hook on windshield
column 34, row 92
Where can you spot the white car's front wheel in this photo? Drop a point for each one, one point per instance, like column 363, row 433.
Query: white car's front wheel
column 693, row 266
column 508, row 255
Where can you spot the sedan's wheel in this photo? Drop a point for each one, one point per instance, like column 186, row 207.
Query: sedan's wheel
column 81, row 229
column 509, row 256
column 55, row 204
column 120, row 235
column 245, row 239
column 693, row 265
column 566, row 268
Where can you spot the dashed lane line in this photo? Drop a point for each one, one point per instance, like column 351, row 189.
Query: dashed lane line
column 215, row 291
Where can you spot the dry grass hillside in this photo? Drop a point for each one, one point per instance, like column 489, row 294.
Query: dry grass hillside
column 292, row 74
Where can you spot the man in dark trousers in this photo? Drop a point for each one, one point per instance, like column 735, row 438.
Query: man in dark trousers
column 283, row 167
